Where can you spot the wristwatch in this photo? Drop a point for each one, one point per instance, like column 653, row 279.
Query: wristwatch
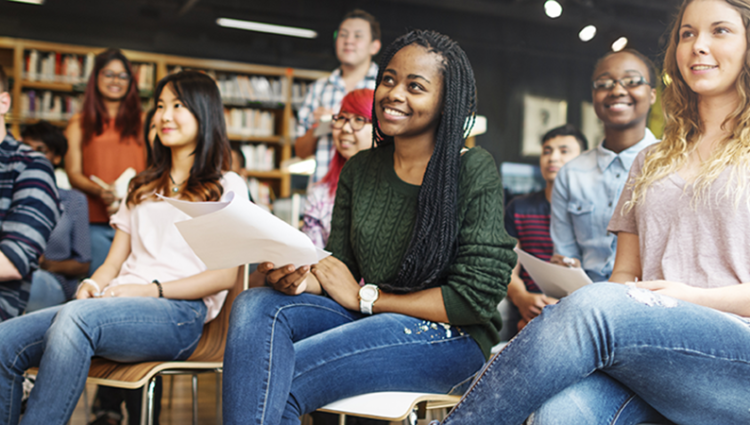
column 368, row 294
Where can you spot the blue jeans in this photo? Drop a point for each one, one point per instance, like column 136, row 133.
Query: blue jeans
column 61, row 341
column 289, row 355
column 102, row 235
column 46, row 291
column 610, row 354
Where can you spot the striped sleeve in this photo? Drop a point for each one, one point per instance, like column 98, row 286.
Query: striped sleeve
column 30, row 208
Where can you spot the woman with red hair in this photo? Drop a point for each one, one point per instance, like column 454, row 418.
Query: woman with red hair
column 105, row 139
column 352, row 132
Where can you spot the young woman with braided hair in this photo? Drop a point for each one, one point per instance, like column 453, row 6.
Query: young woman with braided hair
column 415, row 219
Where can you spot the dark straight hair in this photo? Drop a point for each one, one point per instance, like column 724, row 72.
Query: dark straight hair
column 567, row 130
column 147, row 121
column 200, row 95
column 434, row 238
column 94, row 113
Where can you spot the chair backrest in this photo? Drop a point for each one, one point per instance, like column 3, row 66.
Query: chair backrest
column 211, row 345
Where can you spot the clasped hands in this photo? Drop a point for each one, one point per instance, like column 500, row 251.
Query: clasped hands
column 330, row 274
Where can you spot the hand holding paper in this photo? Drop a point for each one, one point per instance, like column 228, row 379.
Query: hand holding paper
column 236, row 231
column 555, row 281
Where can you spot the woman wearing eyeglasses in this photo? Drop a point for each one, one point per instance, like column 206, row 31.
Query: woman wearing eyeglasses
column 587, row 188
column 105, row 139
column 352, row 132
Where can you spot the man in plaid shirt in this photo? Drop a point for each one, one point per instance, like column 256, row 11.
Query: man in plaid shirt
column 357, row 41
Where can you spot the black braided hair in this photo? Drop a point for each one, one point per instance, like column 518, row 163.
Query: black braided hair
column 434, row 238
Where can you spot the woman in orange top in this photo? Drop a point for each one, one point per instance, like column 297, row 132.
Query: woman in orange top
column 105, row 139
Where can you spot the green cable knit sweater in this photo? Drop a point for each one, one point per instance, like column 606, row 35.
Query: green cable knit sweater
column 372, row 226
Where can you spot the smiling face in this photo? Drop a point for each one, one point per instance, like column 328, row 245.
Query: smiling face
column 176, row 126
column 712, row 47
column 347, row 141
column 409, row 99
column 621, row 107
column 113, row 80
column 556, row 152
column 354, row 43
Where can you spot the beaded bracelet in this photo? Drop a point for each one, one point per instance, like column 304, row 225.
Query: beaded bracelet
column 158, row 285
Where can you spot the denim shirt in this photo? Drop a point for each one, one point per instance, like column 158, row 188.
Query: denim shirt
column 584, row 196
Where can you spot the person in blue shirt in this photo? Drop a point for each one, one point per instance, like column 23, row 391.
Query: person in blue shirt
column 68, row 252
column 587, row 188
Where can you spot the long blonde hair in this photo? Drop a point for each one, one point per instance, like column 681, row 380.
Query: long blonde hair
column 684, row 127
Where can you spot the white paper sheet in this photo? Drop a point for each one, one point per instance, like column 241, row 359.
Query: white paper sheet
column 554, row 280
column 120, row 186
column 236, row 231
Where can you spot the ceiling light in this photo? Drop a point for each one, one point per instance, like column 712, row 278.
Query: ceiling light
column 37, row 2
column 587, row 33
column 619, row 44
column 553, row 9
column 269, row 28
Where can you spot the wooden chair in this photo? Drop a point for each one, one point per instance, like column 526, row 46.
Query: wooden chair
column 391, row 406
column 207, row 357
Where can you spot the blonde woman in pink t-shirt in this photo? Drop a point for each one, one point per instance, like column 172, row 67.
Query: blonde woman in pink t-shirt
column 672, row 336
column 151, row 297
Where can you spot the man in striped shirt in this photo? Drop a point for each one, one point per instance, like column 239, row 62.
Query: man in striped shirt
column 29, row 209
column 527, row 219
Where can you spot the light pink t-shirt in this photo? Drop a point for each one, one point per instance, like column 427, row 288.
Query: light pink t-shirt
column 705, row 245
column 158, row 250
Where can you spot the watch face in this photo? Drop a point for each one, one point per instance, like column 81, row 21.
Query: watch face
column 368, row 293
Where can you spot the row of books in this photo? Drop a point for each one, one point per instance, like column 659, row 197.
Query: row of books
column 258, row 157
column 250, row 122
column 49, row 106
column 261, row 192
column 240, row 89
column 299, row 91
column 145, row 75
column 55, row 67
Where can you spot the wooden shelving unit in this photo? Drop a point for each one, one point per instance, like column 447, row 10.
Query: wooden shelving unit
column 12, row 52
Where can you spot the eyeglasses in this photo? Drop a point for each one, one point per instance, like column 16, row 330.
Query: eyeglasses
column 626, row 83
column 356, row 122
column 110, row 75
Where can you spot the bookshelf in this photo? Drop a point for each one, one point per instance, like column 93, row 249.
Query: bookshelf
column 260, row 100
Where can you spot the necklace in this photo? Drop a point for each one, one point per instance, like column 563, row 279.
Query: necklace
column 176, row 187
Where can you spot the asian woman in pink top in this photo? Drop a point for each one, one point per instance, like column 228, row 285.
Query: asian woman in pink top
column 151, row 297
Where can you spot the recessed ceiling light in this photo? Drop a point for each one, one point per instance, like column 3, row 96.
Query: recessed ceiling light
column 587, row 33
column 268, row 28
column 37, row 2
column 619, row 44
column 553, row 9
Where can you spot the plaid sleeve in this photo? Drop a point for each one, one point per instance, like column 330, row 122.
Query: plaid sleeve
column 305, row 113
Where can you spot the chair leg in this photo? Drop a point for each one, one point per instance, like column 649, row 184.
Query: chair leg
column 86, row 403
column 171, row 390
column 144, row 405
column 147, row 410
column 195, row 399
column 219, row 419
